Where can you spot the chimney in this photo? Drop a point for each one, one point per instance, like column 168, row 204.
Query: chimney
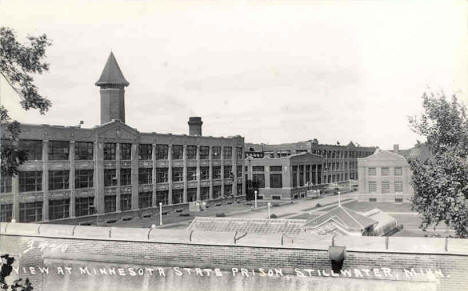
column 396, row 148
column 195, row 126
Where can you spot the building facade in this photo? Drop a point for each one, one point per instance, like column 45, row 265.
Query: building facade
column 384, row 176
column 284, row 178
column 74, row 172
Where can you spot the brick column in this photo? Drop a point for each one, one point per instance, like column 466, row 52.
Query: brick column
column 222, row 172
column 72, row 180
column 45, row 180
column 117, row 173
column 198, row 173
column 169, row 173
column 234, row 170
column 15, row 190
column 99, row 177
column 153, row 158
column 210, row 163
column 185, row 174
column 134, row 166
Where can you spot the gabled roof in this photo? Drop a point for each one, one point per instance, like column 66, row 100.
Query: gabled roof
column 384, row 155
column 345, row 217
column 112, row 75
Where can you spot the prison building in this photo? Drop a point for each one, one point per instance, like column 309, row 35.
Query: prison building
column 74, row 172
column 339, row 162
column 284, row 178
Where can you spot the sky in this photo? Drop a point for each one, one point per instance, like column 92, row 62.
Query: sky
column 271, row 71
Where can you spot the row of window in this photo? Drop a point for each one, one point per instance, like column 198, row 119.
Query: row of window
column 385, row 187
column 385, row 171
column 276, row 180
column 341, row 154
column 272, row 168
column 60, row 150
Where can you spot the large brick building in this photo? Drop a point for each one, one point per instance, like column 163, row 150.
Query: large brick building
column 74, row 172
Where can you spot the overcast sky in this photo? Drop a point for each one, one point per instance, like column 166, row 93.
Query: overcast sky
column 271, row 71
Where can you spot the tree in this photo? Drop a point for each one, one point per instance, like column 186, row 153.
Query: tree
column 440, row 180
column 18, row 63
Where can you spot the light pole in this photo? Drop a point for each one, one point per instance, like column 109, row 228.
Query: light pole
column 339, row 198
column 160, row 213
column 255, row 192
column 269, row 204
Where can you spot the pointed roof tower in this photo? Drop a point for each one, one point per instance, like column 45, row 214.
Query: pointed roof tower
column 112, row 75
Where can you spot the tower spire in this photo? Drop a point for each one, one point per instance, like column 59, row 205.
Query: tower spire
column 112, row 75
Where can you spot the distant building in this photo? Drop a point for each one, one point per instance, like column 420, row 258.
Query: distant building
column 75, row 172
column 384, row 176
column 284, row 178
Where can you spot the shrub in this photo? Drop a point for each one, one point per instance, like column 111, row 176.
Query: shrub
column 221, row 214
column 273, row 216
column 184, row 214
column 318, row 205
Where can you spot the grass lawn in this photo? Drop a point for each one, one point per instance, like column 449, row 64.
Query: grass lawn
column 384, row 206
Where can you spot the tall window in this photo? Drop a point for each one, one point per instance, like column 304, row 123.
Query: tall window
column 216, row 191
column 5, row 184
column 6, row 212
column 239, row 153
column 227, row 153
column 109, row 151
column 59, row 150
column 227, row 171
column 59, row 179
column 371, row 171
column 177, row 174
column 31, row 211
column 276, row 168
column 84, row 206
column 145, row 152
column 258, row 180
column 125, row 176
column 398, row 187
column 191, row 194
column 239, row 171
column 191, row 152
column 177, row 152
column 144, row 199
column 204, row 152
column 398, row 171
column 162, row 175
column 385, row 187
column 30, row 181
column 125, row 151
column 204, row 193
column 216, row 153
column 163, row 197
column 217, row 172
column 84, row 150
column 110, row 203
column 276, row 180
column 125, row 202
column 191, row 173
column 227, row 189
column 84, row 178
column 258, row 168
column 177, row 196
column 161, row 151
column 384, row 171
column 59, row 209
column 239, row 188
column 204, row 173
column 372, row 187
column 110, row 177
column 33, row 149
column 145, row 176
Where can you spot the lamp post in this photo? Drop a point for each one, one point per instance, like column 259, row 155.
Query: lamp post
column 160, row 213
column 269, row 204
column 255, row 192
column 339, row 198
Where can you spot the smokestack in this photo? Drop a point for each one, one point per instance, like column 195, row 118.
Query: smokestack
column 195, row 126
column 396, row 148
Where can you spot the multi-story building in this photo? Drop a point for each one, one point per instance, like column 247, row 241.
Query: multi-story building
column 73, row 171
column 339, row 162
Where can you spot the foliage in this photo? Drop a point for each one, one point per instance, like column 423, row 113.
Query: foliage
column 440, row 181
column 5, row 270
column 18, row 63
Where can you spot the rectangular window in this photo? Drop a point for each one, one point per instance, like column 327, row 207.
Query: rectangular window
column 385, row 187
column 227, row 190
column 145, row 176
column 177, row 174
column 191, row 194
column 258, row 180
column 398, row 187
column 163, row 197
column 239, row 189
column 125, row 176
column 144, row 199
column 84, row 178
column 33, row 149
column 84, row 206
column 5, row 184
column 276, row 181
column 6, row 212
column 204, row 152
column 30, row 181
column 191, row 173
column 59, row 209
column 204, row 173
column 239, row 153
column 125, row 151
column 30, row 212
column 216, row 153
column 177, row 196
column 217, row 172
column 216, row 191
column 204, row 193
column 384, row 171
column 162, row 175
column 258, row 168
column 59, row 179
column 59, row 150
column 110, row 177
column 276, row 168
column 125, row 202
column 161, row 151
column 109, row 151
column 227, row 171
column 371, row 171
column 177, row 152
column 372, row 187
column 110, row 203
column 239, row 171
column 84, row 150
column 227, row 153
column 398, row 171
column 145, row 152
column 191, row 152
